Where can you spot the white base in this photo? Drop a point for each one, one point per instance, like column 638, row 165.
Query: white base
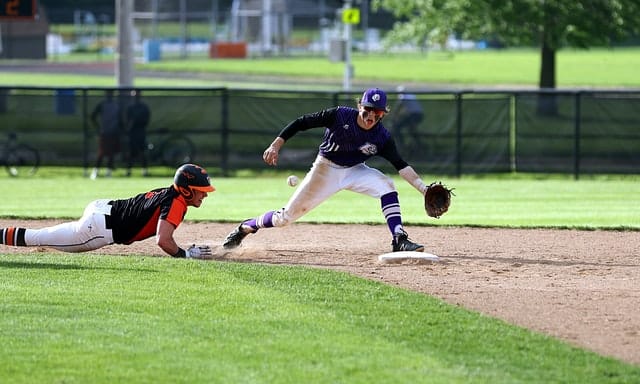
column 399, row 257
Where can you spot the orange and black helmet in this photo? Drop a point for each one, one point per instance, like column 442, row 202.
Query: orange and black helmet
column 191, row 177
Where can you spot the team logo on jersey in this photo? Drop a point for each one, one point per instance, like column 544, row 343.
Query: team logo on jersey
column 369, row 149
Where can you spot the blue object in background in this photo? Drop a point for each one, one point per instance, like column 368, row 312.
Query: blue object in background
column 65, row 101
column 151, row 49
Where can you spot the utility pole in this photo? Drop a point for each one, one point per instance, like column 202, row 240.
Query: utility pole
column 349, row 16
column 267, row 32
column 124, row 54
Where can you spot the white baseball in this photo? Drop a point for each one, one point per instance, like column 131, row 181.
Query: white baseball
column 292, row 180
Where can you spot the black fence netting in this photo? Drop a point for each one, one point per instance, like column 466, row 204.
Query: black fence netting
column 545, row 138
column 578, row 132
column 437, row 132
column 609, row 133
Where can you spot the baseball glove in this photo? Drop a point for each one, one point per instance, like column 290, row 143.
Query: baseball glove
column 437, row 199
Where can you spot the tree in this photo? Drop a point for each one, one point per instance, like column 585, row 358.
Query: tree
column 549, row 24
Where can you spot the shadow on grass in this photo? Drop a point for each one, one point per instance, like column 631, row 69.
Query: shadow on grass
column 35, row 265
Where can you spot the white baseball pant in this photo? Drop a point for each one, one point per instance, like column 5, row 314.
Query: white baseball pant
column 86, row 234
column 326, row 179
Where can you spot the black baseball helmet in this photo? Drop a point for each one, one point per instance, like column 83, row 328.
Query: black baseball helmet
column 191, row 177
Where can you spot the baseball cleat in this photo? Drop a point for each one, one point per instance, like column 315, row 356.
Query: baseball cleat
column 401, row 243
column 234, row 239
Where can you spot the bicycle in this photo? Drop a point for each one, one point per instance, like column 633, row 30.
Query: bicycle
column 172, row 150
column 18, row 159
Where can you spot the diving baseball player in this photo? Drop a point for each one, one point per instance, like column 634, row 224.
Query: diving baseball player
column 157, row 212
column 352, row 135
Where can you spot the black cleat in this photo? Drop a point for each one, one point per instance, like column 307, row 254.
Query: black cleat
column 234, row 239
column 401, row 242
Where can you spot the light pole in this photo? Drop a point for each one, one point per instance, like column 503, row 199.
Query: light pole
column 348, row 67
column 124, row 54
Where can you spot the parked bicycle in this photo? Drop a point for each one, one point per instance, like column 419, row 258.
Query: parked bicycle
column 18, row 159
column 172, row 149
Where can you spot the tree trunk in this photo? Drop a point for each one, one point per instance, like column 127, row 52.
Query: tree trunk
column 548, row 67
column 547, row 104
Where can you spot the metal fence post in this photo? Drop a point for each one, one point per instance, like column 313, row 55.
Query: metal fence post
column 336, row 98
column 224, row 132
column 513, row 131
column 85, row 128
column 576, row 142
column 458, row 134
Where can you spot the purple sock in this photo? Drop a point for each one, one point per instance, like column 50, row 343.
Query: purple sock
column 262, row 221
column 391, row 211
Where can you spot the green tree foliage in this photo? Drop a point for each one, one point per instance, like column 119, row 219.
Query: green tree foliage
column 549, row 24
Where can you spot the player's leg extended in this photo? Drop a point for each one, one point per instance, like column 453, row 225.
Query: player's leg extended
column 73, row 236
column 319, row 184
column 86, row 234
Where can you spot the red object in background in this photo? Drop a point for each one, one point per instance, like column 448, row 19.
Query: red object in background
column 17, row 9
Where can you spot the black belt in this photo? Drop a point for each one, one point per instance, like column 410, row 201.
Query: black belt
column 108, row 220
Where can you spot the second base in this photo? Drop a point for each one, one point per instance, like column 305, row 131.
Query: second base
column 398, row 257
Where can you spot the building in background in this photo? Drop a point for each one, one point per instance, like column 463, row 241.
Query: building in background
column 23, row 32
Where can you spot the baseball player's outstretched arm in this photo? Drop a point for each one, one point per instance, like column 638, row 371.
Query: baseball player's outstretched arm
column 164, row 237
column 412, row 177
column 390, row 152
column 270, row 155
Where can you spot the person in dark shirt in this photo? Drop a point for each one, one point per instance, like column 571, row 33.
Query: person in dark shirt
column 107, row 118
column 137, row 119
column 352, row 136
column 157, row 212
column 406, row 119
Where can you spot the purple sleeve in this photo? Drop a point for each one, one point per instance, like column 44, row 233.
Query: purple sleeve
column 390, row 153
column 324, row 118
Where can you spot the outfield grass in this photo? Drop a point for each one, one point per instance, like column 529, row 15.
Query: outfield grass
column 521, row 201
column 92, row 319
column 596, row 67
column 138, row 319
column 504, row 68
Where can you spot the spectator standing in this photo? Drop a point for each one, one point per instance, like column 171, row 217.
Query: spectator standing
column 107, row 118
column 137, row 119
column 407, row 116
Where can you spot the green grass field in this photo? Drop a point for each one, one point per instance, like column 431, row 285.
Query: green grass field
column 137, row 319
column 87, row 319
column 596, row 67
column 518, row 201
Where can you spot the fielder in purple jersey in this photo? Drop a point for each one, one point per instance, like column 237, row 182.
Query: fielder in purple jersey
column 352, row 136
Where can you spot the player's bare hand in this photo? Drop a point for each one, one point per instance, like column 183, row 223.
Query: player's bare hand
column 270, row 155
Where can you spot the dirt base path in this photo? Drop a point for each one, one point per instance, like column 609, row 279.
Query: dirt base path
column 579, row 286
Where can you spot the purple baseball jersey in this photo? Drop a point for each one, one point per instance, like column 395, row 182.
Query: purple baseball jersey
column 344, row 142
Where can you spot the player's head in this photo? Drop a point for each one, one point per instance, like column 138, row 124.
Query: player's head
column 375, row 98
column 190, row 178
column 371, row 108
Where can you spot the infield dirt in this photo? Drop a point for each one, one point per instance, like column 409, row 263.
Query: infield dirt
column 579, row 286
